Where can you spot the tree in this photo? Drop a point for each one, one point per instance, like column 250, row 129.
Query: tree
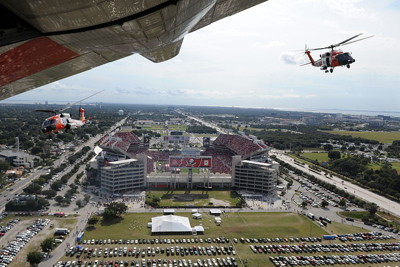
column 34, row 258
column 59, row 199
column 118, row 207
column 48, row 244
column 372, row 208
column 79, row 203
column 93, row 220
column 342, row 203
column 32, row 189
column 41, row 203
column 304, row 204
column 87, row 197
column 328, row 147
column 115, row 209
column 334, row 155
column 56, row 185
column 4, row 165
column 324, row 203
column 49, row 193
column 108, row 214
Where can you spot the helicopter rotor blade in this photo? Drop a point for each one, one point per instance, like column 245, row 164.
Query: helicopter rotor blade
column 319, row 48
column 70, row 105
column 46, row 110
column 358, row 40
column 345, row 41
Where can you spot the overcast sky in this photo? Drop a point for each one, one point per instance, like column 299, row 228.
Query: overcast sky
column 247, row 60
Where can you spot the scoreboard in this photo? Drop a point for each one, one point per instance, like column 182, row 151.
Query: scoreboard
column 190, row 162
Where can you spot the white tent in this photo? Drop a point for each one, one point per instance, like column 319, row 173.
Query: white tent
column 215, row 211
column 170, row 224
column 169, row 211
column 196, row 215
column 198, row 229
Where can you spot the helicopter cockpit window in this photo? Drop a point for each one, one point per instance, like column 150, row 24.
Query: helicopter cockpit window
column 49, row 122
column 344, row 58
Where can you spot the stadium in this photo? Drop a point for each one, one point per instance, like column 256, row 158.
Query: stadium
column 127, row 164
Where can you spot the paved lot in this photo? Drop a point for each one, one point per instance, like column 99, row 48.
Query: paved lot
column 384, row 203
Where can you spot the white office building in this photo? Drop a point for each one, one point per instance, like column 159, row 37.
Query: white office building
column 123, row 176
column 255, row 177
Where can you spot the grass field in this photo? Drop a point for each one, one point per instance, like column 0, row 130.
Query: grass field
column 162, row 127
column 321, row 157
column 383, row 137
column 195, row 197
column 358, row 215
column 234, row 225
column 376, row 166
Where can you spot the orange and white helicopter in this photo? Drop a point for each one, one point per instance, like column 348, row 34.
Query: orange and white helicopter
column 63, row 121
column 334, row 58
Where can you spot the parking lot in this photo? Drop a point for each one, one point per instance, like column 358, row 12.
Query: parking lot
column 359, row 248
column 11, row 249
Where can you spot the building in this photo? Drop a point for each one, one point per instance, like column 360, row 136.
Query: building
column 256, row 177
column 18, row 159
column 123, row 176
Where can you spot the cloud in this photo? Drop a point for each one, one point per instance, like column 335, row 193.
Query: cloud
column 349, row 9
column 293, row 58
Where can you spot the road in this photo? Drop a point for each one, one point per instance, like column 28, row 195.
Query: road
column 56, row 254
column 84, row 213
column 208, row 124
column 362, row 193
column 17, row 188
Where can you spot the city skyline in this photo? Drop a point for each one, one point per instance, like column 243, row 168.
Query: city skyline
column 248, row 60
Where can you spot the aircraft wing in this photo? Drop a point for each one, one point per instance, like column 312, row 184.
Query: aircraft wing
column 42, row 41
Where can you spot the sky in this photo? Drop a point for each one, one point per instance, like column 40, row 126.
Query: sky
column 250, row 60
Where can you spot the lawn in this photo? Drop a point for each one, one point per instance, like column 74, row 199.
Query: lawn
column 241, row 128
column 321, row 157
column 235, row 224
column 377, row 166
column 383, row 137
column 195, row 197
column 358, row 215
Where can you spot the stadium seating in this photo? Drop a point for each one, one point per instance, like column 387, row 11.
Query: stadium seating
column 224, row 147
column 239, row 145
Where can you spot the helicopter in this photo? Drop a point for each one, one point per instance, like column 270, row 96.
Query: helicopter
column 334, row 58
column 63, row 121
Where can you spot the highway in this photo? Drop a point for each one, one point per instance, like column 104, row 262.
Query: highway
column 208, row 124
column 362, row 193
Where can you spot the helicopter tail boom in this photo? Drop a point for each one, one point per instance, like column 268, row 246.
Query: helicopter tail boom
column 310, row 57
column 81, row 114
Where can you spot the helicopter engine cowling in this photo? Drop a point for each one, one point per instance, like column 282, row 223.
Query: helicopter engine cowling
column 71, row 125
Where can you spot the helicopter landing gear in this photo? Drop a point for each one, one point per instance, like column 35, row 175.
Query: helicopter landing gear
column 331, row 70
column 348, row 66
